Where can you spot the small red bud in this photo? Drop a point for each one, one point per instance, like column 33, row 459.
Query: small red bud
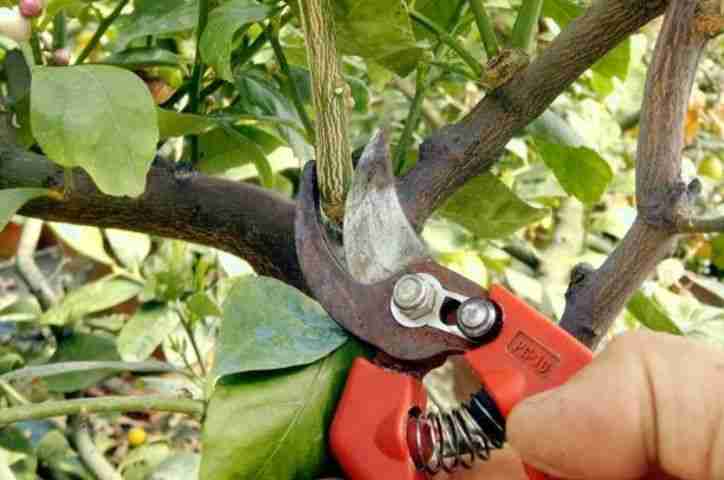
column 61, row 57
column 31, row 8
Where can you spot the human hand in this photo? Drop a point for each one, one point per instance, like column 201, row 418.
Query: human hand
column 649, row 400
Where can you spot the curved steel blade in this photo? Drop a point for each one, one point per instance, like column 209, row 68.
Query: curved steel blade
column 364, row 310
column 378, row 239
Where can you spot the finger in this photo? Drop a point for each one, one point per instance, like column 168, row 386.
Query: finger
column 503, row 465
column 648, row 399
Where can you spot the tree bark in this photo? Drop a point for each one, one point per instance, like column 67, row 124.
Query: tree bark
column 594, row 302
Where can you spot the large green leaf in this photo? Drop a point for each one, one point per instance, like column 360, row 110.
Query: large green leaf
column 218, row 38
column 268, row 325
column 377, row 30
column 647, row 311
column 613, row 64
column 82, row 347
column 157, row 18
column 489, row 209
column 717, row 252
column 582, row 172
column 91, row 298
column 280, row 421
column 11, row 200
column 97, row 117
column 142, row 334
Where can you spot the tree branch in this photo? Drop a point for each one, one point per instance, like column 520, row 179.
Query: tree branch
column 594, row 302
column 459, row 152
column 701, row 225
column 255, row 224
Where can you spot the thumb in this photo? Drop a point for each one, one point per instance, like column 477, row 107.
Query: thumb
column 649, row 401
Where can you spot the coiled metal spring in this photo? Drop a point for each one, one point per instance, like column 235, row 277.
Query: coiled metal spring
column 456, row 438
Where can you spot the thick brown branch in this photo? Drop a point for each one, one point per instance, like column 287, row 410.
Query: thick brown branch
column 459, row 152
column 594, row 303
column 252, row 223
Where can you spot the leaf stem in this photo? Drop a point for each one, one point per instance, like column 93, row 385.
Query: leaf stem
column 164, row 403
column 59, row 31
column 291, row 84
column 102, row 29
column 450, row 41
column 485, row 27
column 413, row 116
column 197, row 76
column 14, row 397
column 526, row 24
column 186, row 323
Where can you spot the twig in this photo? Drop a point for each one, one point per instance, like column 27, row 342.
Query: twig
column 450, row 41
column 429, row 111
column 185, row 322
column 485, row 27
column 329, row 90
column 526, row 24
column 27, row 267
column 163, row 403
column 197, row 76
column 701, row 225
column 102, row 29
column 89, row 454
column 413, row 116
column 291, row 84
column 594, row 302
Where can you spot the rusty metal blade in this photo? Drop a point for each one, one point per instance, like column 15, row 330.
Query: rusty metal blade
column 378, row 239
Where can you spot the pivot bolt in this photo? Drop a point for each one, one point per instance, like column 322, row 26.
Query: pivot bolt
column 477, row 317
column 414, row 296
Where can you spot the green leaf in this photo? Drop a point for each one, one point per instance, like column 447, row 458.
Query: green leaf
column 141, row 462
column 378, row 30
column 175, row 124
column 82, row 347
column 218, row 38
column 226, row 148
column 91, row 298
column 56, row 454
column 281, row 420
column 442, row 13
column 97, row 117
column 489, row 209
column 13, row 199
column 131, row 248
column 87, row 241
column 140, row 57
column 582, row 172
column 268, row 325
column 145, row 331
column 17, row 452
column 259, row 96
column 178, row 466
column 157, row 18
column 651, row 315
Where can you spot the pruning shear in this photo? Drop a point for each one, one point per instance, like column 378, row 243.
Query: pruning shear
column 382, row 286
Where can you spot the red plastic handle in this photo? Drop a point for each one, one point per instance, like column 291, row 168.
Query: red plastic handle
column 369, row 432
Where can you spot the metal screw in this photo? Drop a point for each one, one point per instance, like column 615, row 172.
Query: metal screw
column 414, row 296
column 477, row 317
